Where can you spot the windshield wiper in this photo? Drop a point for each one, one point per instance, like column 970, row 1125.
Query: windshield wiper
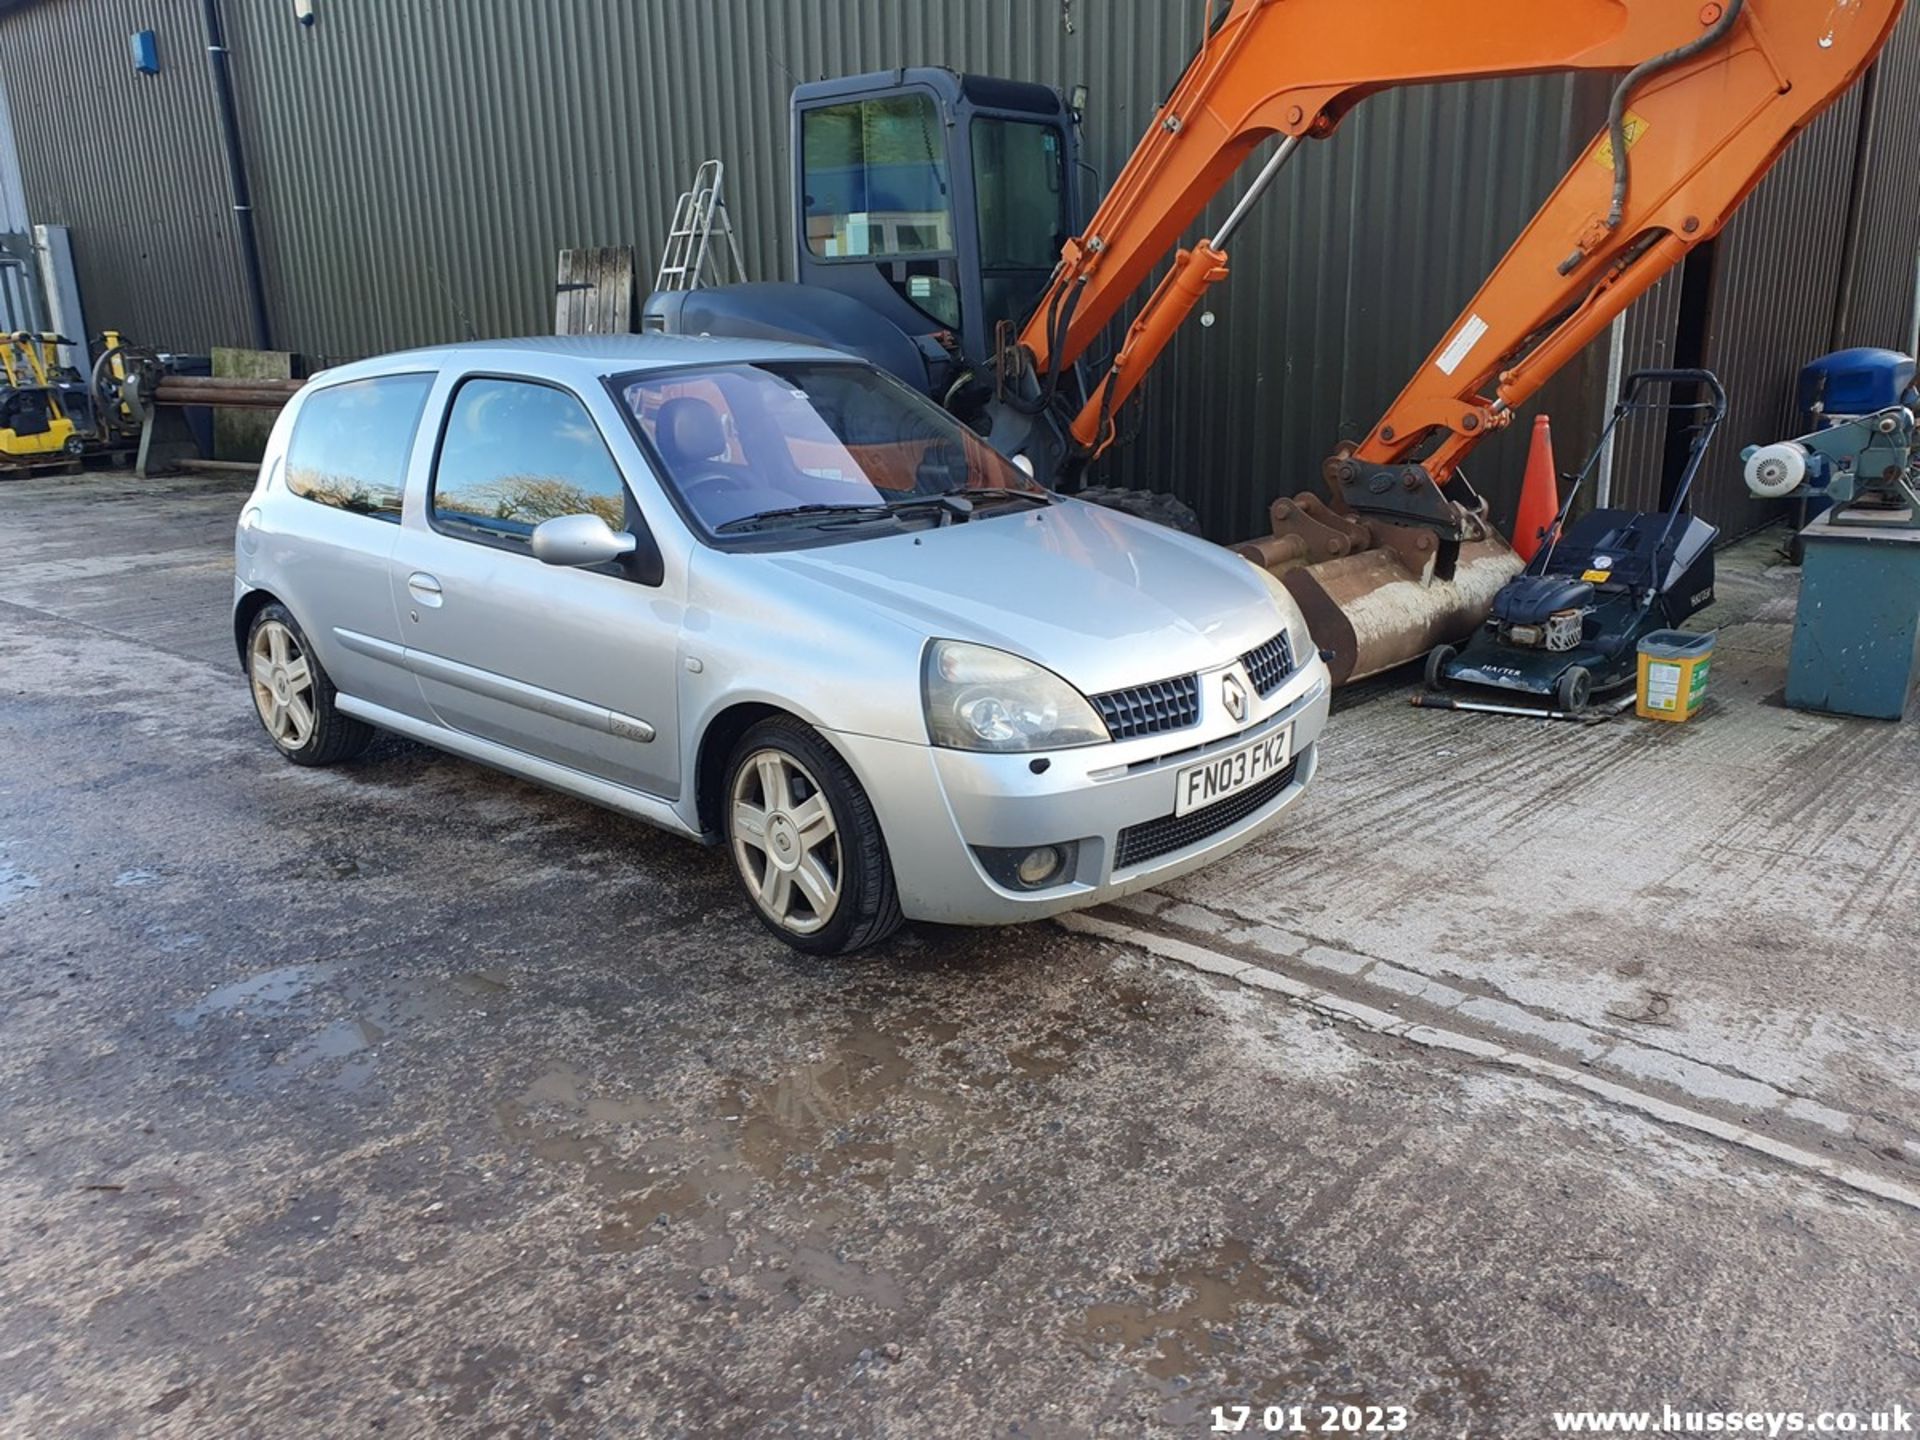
column 977, row 493
column 957, row 506
column 818, row 513
column 954, row 507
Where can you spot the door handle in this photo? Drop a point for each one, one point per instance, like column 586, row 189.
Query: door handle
column 424, row 588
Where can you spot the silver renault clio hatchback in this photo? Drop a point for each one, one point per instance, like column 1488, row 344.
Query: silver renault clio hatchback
column 767, row 597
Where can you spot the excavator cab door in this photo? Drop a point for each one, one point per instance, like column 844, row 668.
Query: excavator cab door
column 939, row 200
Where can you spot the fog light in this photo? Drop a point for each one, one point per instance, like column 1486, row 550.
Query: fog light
column 1030, row 867
column 1039, row 866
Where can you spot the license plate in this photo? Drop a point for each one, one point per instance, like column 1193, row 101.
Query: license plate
column 1211, row 781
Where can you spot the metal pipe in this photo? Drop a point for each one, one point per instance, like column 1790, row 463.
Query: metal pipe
column 1256, row 190
column 222, row 391
column 201, row 394
column 237, row 176
column 1856, row 203
column 237, row 467
column 171, row 385
column 1913, row 334
column 1616, row 370
column 226, row 402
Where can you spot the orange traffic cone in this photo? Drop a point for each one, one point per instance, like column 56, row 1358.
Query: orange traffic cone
column 1539, row 495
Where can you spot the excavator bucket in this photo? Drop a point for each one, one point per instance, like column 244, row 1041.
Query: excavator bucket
column 1376, row 594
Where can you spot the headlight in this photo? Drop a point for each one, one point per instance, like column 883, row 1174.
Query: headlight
column 983, row 699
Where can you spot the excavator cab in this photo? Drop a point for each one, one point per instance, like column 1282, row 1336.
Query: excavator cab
column 929, row 207
column 941, row 200
column 928, row 216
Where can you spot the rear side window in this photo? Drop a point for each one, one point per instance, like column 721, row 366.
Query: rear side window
column 351, row 443
column 516, row 453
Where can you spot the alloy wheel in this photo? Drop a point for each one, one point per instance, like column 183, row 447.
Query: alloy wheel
column 282, row 685
column 786, row 841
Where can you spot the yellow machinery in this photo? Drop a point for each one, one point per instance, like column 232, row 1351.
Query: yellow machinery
column 34, row 424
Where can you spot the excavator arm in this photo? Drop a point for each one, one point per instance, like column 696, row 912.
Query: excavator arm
column 1711, row 94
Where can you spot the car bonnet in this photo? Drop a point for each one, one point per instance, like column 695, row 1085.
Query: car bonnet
column 1100, row 598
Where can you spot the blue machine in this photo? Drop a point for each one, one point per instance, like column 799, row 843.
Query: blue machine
column 1856, row 382
column 1856, row 638
column 1860, row 454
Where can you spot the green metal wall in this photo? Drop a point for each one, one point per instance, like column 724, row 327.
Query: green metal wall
column 417, row 164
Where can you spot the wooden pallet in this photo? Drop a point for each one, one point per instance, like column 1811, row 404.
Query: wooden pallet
column 594, row 292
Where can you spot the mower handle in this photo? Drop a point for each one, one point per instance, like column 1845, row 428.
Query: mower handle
column 1680, row 377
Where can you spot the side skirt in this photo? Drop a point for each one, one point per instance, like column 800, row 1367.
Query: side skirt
column 640, row 806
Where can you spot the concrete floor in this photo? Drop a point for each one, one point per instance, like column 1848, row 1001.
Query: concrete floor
column 408, row 1099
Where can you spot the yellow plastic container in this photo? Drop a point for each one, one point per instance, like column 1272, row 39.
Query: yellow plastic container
column 1673, row 674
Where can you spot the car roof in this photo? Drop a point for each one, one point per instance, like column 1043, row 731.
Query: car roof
column 581, row 358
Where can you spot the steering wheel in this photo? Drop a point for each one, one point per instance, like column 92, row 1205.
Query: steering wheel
column 712, row 485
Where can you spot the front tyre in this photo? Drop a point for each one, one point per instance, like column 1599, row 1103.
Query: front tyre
column 806, row 843
column 293, row 696
column 1575, row 689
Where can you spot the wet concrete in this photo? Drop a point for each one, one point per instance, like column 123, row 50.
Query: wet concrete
column 409, row 1099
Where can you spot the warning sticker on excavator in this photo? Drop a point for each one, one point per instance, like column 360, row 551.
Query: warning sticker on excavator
column 1634, row 125
column 1462, row 345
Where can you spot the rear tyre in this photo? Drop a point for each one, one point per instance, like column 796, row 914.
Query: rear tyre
column 1574, row 690
column 1167, row 510
column 293, row 696
column 1438, row 659
column 806, row 843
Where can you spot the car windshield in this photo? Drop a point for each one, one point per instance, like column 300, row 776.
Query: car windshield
column 777, row 445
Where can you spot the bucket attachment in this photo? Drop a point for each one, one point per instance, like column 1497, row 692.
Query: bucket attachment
column 1378, row 594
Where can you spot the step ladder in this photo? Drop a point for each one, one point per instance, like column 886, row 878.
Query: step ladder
column 692, row 259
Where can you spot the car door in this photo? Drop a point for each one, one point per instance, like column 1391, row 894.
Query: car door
column 575, row 666
column 322, row 540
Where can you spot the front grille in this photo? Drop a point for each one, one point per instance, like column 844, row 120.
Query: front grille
column 1150, row 709
column 1270, row 665
column 1153, row 838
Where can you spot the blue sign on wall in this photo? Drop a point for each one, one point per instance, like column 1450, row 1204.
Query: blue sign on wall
column 146, row 52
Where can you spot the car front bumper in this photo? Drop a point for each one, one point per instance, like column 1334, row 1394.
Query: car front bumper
column 935, row 806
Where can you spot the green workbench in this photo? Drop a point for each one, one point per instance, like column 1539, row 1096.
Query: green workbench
column 1856, row 638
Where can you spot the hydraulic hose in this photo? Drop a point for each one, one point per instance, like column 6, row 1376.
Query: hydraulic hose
column 1065, row 300
column 1645, row 70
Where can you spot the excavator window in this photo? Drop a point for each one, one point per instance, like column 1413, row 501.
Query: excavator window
column 876, row 180
column 1020, row 194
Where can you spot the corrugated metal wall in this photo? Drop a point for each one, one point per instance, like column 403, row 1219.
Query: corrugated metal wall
column 131, row 162
column 516, row 148
column 13, row 191
column 1881, row 305
column 1775, row 285
column 417, row 165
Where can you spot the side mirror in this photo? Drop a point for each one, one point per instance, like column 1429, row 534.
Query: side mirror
column 580, row 540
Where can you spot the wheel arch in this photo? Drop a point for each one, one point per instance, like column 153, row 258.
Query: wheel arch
column 245, row 610
column 717, row 740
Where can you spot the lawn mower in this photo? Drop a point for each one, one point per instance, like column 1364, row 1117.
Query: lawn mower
column 1569, row 626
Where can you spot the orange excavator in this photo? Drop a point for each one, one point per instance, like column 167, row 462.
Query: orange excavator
column 936, row 236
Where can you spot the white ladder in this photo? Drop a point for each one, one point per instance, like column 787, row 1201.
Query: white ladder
column 691, row 259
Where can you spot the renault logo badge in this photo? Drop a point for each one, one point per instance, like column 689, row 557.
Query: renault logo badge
column 1235, row 696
